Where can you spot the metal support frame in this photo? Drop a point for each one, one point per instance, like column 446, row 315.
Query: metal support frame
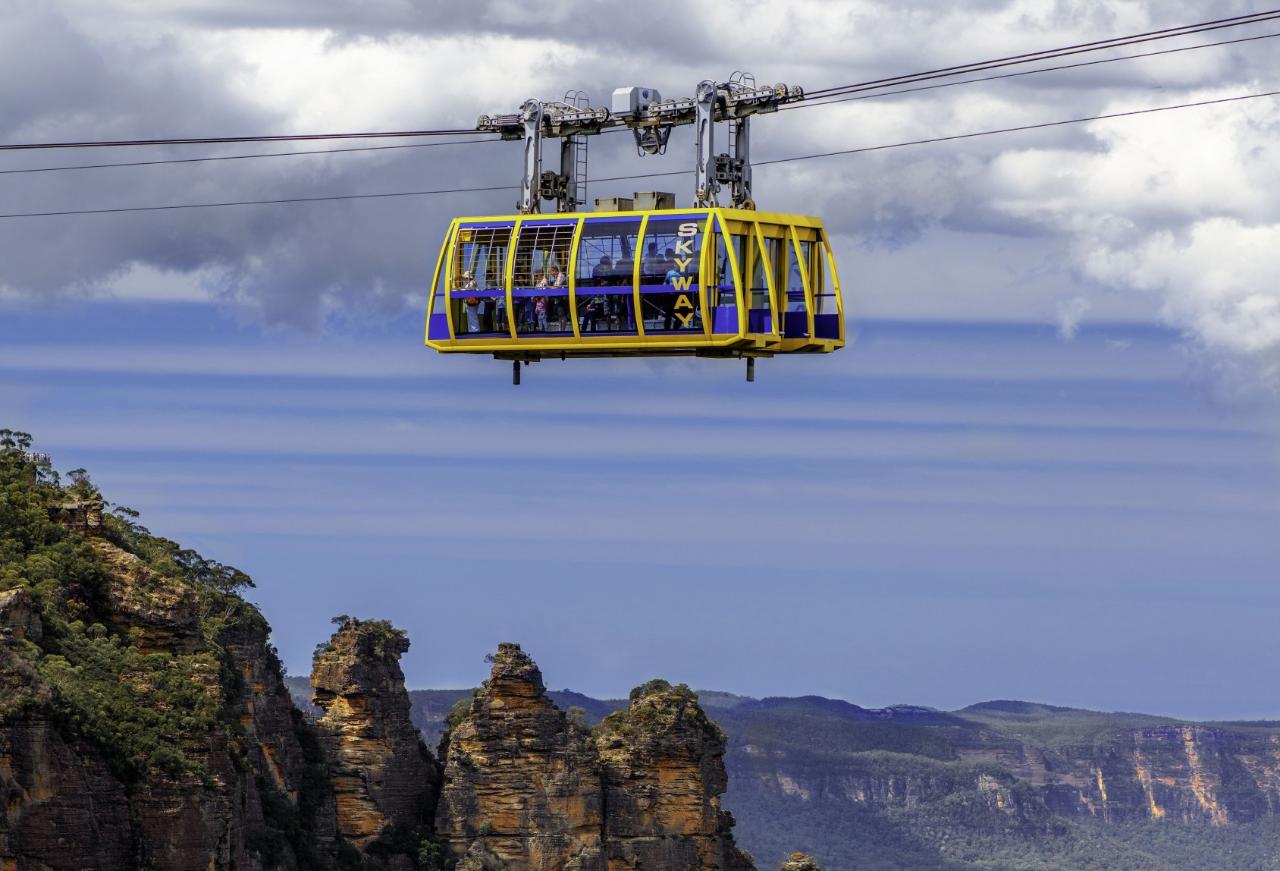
column 571, row 121
column 705, row 185
column 531, row 114
column 740, row 153
column 651, row 120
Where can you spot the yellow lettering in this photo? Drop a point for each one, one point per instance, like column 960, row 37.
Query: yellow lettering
column 684, row 247
column 684, row 319
column 682, row 282
column 683, row 302
column 683, row 264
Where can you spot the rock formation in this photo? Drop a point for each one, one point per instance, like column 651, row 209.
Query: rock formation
column 800, row 862
column 528, row 786
column 664, row 773
column 521, row 780
column 384, row 780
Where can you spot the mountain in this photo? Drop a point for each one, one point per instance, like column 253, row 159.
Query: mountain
column 1001, row 784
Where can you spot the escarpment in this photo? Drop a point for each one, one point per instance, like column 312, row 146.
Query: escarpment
column 144, row 719
column 384, row 780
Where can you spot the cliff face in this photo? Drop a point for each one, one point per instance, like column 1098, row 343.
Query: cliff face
column 70, row 797
column 384, row 780
column 1185, row 773
column 527, row 786
column 144, row 722
column 521, row 781
column 664, row 774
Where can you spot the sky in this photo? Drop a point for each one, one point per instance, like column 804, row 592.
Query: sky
column 1046, row 467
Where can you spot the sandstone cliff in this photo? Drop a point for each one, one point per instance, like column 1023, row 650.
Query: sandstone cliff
column 144, row 721
column 664, row 776
column 384, row 780
column 521, row 780
column 528, row 787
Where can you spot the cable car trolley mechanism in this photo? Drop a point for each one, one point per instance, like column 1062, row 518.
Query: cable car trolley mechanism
column 637, row 276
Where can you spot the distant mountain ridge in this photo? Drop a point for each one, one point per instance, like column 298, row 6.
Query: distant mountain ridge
column 998, row 784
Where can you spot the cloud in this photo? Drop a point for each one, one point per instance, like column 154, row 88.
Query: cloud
column 1118, row 215
column 1070, row 313
column 1176, row 208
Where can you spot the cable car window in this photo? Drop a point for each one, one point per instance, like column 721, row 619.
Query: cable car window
column 603, row 282
column 540, row 277
column 795, row 318
column 759, row 315
column 723, row 294
column 826, row 311
column 669, row 274
column 795, row 281
column 438, row 316
column 478, row 295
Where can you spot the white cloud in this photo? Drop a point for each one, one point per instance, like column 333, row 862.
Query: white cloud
column 1177, row 207
column 1122, row 215
column 1070, row 313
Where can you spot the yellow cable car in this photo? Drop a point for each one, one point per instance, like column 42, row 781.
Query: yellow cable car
column 715, row 282
column 652, row 281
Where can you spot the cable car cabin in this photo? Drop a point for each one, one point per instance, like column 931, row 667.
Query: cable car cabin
column 710, row 282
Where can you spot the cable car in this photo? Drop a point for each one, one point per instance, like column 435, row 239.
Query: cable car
column 637, row 277
column 708, row 282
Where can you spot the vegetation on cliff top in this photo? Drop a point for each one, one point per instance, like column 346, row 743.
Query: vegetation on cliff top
column 378, row 639
column 144, row 709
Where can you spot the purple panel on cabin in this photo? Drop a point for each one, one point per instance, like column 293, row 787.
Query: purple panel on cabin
column 796, row 325
column 667, row 288
column 726, row 319
column 826, row 326
column 759, row 320
column 438, row 327
column 487, row 225
column 466, row 292
column 528, row 292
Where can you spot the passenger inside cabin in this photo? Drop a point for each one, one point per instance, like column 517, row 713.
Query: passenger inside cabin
column 652, row 263
column 603, row 271
column 528, row 307
column 470, row 303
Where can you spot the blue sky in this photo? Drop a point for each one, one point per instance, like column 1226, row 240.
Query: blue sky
column 940, row 514
column 1047, row 466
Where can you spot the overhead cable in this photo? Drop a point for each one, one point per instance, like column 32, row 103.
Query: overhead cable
column 796, row 158
column 1048, row 54
column 227, row 140
column 245, row 156
column 1106, row 60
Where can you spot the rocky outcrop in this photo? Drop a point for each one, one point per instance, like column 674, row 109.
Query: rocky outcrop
column 81, row 793
column 529, row 787
column 521, row 780
column 663, row 762
column 19, row 618
column 800, row 862
column 384, row 780
column 82, row 515
column 161, row 613
column 62, row 806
